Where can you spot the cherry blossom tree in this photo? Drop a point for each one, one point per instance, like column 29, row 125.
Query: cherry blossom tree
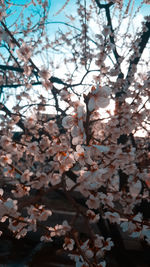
column 59, row 133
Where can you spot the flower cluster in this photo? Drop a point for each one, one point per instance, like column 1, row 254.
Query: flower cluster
column 73, row 155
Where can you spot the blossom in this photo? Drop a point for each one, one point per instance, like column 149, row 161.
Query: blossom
column 44, row 214
column 99, row 97
column 27, row 70
column 10, row 204
column 20, row 190
column 93, row 218
column 108, row 244
column 69, row 243
column 1, row 191
column 45, row 74
column 93, row 202
column 66, row 226
column 5, row 159
column 42, row 178
column 106, row 30
column 57, row 230
column 5, row 141
column 99, row 240
column 79, row 155
column 17, row 226
column 113, row 217
column 21, row 233
column 128, row 226
column 38, row 212
column 65, row 159
column 55, row 178
column 106, row 199
column 46, row 238
column 2, row 13
column 135, row 188
column 8, row 207
column 76, row 149
column 47, row 84
column 102, row 264
column 68, row 122
column 33, row 148
column 65, row 95
column 24, row 52
column 25, row 177
column 88, row 251
column 30, row 121
column 51, row 127
column 83, row 155
column 3, row 34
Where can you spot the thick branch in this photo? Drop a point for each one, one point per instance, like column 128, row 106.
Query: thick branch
column 21, row 70
column 117, row 56
column 53, row 79
column 101, row 6
column 141, row 45
column 109, row 21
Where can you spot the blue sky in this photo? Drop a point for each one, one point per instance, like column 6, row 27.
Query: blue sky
column 55, row 6
column 70, row 9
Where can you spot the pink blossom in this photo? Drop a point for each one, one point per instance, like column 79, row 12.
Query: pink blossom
column 51, row 127
column 2, row 13
column 99, row 240
column 108, row 244
column 1, row 191
column 43, row 216
column 30, row 121
column 93, row 218
column 68, row 122
column 33, row 148
column 5, row 141
column 47, row 84
column 55, row 178
column 89, row 253
column 135, row 188
column 69, row 243
column 113, row 217
column 99, row 98
column 106, row 30
column 93, row 202
column 24, row 52
column 38, row 213
column 16, row 226
column 102, row 264
column 21, row 191
column 11, row 204
column 46, row 238
column 5, row 159
column 57, row 230
column 45, row 74
column 66, row 226
column 106, row 199
column 25, row 177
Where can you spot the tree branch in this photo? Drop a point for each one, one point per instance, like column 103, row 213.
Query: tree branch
column 143, row 40
column 109, row 21
column 10, row 114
